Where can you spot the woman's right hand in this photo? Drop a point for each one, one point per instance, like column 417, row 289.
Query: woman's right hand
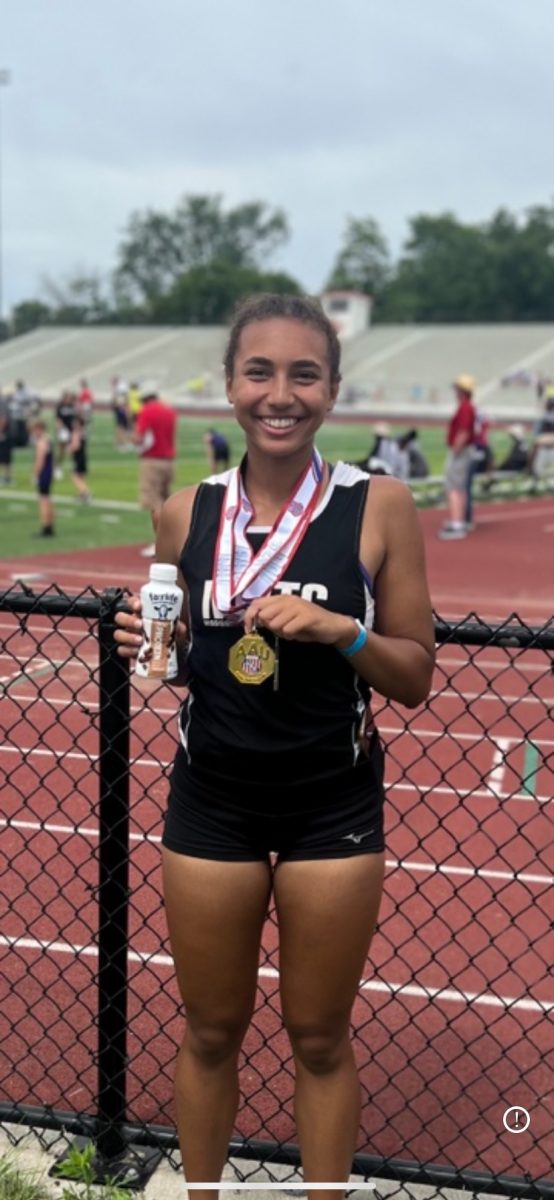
column 128, row 634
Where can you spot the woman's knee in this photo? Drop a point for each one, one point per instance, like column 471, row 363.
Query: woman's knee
column 320, row 1051
column 214, row 1044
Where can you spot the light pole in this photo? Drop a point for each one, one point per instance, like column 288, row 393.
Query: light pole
column 5, row 78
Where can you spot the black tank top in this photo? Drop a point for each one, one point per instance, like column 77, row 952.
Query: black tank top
column 308, row 728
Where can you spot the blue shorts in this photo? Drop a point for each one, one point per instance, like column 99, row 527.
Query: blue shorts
column 212, row 821
column 44, row 482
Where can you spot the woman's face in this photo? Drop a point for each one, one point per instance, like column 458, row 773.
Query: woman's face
column 281, row 389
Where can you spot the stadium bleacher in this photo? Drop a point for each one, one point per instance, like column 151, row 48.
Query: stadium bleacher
column 397, row 370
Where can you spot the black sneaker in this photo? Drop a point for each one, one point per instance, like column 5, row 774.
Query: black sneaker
column 46, row 532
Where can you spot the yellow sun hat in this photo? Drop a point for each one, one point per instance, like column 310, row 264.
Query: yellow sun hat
column 465, row 383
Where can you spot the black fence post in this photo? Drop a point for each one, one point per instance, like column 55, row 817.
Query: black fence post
column 115, row 1157
column 114, row 731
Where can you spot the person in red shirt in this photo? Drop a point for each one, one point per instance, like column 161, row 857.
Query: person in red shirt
column 460, row 438
column 154, row 434
column 85, row 400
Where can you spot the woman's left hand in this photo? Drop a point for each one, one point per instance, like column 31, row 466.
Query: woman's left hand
column 299, row 620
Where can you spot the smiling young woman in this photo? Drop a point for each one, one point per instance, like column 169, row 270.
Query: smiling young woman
column 304, row 589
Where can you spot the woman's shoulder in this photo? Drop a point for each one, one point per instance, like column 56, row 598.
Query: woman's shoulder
column 388, row 499
column 179, row 505
column 383, row 490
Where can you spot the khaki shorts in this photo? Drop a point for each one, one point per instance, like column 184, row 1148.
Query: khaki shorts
column 155, row 479
column 457, row 470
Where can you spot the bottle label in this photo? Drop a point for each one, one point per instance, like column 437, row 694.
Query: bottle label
column 157, row 657
column 163, row 603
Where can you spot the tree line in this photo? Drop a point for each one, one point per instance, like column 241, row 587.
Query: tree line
column 191, row 265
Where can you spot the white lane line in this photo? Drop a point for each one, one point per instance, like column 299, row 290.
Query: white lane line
column 428, row 790
column 124, row 505
column 78, row 756
column 497, row 774
column 392, row 864
column 92, row 574
column 369, row 985
column 484, row 517
column 449, row 735
column 48, row 630
column 448, row 693
column 491, row 696
column 73, row 660
column 499, row 665
column 471, row 872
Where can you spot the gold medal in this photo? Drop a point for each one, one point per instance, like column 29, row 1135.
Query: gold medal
column 251, row 660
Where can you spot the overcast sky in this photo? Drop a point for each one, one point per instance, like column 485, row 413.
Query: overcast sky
column 327, row 108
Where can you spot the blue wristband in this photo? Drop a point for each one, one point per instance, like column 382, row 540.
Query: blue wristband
column 358, row 642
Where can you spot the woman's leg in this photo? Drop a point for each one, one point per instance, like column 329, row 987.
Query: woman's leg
column 46, row 511
column 327, row 909
column 215, row 912
column 80, row 485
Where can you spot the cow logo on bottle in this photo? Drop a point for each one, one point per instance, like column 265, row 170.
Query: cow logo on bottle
column 163, row 604
column 296, row 508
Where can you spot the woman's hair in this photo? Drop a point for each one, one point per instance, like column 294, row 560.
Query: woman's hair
column 269, row 305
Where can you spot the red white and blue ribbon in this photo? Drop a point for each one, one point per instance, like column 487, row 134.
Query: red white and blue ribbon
column 239, row 575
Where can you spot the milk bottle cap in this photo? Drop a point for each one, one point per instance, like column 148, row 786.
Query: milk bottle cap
column 163, row 573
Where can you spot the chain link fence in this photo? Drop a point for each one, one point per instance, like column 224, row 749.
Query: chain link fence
column 452, row 1026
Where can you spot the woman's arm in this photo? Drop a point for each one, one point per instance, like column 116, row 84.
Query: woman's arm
column 398, row 656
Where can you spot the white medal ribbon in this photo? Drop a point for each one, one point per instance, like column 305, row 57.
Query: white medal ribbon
column 240, row 575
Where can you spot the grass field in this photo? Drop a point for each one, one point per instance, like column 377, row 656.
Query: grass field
column 113, row 477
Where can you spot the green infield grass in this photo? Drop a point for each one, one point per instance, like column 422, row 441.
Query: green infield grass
column 113, row 480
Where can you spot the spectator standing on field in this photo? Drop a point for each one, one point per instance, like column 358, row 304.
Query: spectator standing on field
column 66, row 411
column 541, row 457
column 154, row 434
column 20, row 405
column 481, row 462
column 78, row 451
column 6, row 445
column 85, row 400
column 134, row 404
column 44, row 474
column 121, row 413
column 460, row 438
column 219, row 451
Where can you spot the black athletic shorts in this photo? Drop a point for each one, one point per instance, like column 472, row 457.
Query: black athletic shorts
column 212, row 819
column 80, row 461
column 44, row 481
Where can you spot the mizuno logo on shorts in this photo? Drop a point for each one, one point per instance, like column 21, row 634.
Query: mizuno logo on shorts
column 356, row 837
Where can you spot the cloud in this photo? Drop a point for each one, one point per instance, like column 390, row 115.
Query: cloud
column 322, row 108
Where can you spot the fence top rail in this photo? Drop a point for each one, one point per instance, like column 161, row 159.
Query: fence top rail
column 513, row 632
column 470, row 630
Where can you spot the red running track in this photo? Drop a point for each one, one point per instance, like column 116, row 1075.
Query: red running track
column 451, row 1021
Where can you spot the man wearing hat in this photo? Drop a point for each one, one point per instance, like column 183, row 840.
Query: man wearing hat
column 154, row 434
column 460, row 438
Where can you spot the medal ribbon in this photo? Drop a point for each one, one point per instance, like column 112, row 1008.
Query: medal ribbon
column 240, row 575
